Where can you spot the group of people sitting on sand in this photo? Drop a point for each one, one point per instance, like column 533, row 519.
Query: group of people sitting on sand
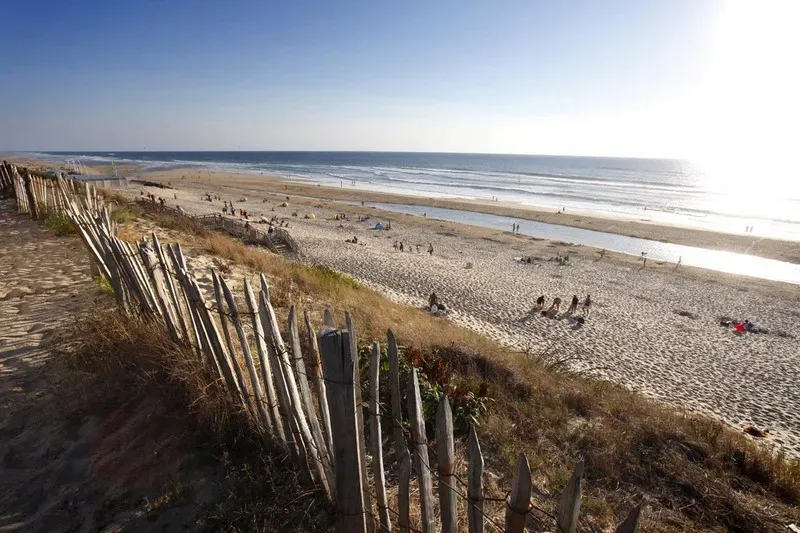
column 739, row 326
column 556, row 306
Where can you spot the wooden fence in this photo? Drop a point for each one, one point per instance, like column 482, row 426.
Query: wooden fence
column 312, row 404
column 251, row 233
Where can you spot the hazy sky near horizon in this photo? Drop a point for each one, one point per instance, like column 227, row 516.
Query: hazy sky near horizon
column 660, row 78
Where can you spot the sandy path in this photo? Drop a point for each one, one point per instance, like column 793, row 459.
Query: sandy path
column 634, row 335
column 69, row 460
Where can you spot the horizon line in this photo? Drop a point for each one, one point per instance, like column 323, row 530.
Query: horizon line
column 673, row 158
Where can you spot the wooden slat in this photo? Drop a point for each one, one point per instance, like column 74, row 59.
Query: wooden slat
column 338, row 367
column 420, row 446
column 256, row 390
column 156, row 276
column 319, row 384
column 328, row 319
column 276, row 424
column 570, row 506
column 445, row 454
column 404, row 494
column 519, row 500
column 323, row 462
column 631, row 522
column 475, row 483
column 231, row 354
column 180, row 317
column 208, row 352
column 362, row 445
column 206, row 328
column 376, row 440
column 192, row 323
column 400, row 448
column 296, row 413
column 291, row 429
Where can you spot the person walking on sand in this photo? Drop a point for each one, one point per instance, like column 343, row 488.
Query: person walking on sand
column 555, row 306
column 573, row 306
column 540, row 301
column 430, row 248
column 587, row 304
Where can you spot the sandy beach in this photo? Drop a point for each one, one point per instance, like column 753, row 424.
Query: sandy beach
column 655, row 330
column 641, row 227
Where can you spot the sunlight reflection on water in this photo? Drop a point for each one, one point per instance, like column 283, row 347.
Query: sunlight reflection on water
column 730, row 262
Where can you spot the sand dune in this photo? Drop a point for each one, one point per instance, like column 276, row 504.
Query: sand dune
column 634, row 335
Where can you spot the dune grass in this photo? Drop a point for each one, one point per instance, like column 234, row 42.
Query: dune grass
column 254, row 486
column 61, row 225
column 692, row 473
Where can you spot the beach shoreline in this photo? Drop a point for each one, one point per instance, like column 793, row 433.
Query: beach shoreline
column 659, row 231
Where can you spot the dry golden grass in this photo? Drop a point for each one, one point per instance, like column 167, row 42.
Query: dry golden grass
column 256, row 486
column 692, row 472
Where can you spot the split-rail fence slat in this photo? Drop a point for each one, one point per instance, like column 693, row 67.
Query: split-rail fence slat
column 314, row 411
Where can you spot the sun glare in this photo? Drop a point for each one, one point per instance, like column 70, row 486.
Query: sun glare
column 747, row 108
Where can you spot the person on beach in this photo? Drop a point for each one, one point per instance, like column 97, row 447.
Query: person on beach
column 540, row 301
column 433, row 300
column 401, row 246
column 555, row 306
column 587, row 304
column 430, row 248
column 573, row 306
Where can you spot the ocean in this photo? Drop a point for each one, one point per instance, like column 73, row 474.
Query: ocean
column 660, row 190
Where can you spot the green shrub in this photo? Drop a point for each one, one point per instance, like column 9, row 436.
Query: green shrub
column 60, row 225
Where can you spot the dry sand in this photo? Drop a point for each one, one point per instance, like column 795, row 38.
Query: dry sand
column 75, row 456
column 635, row 335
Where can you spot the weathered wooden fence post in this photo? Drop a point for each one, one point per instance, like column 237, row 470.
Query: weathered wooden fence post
column 33, row 209
column 631, row 522
column 445, row 454
column 519, row 500
column 338, row 368
column 376, row 439
column 316, row 440
column 266, row 371
column 475, row 483
column 404, row 494
column 420, row 444
column 570, row 506
column 362, row 445
column 319, row 384
column 400, row 448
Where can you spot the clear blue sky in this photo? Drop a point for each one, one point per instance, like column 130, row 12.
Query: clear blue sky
column 617, row 77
